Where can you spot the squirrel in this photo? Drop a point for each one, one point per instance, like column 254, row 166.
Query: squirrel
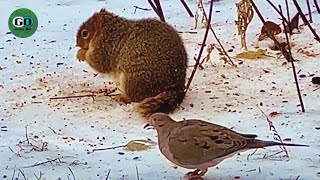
column 147, row 57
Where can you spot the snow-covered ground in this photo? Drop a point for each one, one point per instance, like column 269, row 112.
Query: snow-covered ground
column 64, row 132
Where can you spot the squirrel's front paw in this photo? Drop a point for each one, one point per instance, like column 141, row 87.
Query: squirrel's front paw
column 122, row 99
column 81, row 54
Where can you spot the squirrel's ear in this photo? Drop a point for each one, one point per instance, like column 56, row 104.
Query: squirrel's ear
column 103, row 10
column 98, row 21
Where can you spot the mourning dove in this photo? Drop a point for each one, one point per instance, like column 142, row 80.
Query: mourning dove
column 196, row 144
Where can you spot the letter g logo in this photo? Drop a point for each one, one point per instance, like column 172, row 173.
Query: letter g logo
column 18, row 21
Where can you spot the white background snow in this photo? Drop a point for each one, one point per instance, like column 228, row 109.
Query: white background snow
column 34, row 69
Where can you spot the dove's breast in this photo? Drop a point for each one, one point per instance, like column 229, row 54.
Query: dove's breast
column 166, row 152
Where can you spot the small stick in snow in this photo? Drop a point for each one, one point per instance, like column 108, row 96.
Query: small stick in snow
column 71, row 97
column 272, row 155
column 22, row 174
column 108, row 174
column 137, row 7
column 13, row 175
column 306, row 21
column 201, row 49
column 74, row 178
column 103, row 149
column 251, row 154
column 27, row 138
column 40, row 176
column 316, row 89
column 276, row 135
column 105, row 92
column 18, row 154
column 58, row 160
column 137, row 172
column 52, row 130
column 293, row 66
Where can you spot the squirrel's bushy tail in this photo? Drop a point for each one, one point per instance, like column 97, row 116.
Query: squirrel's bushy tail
column 164, row 102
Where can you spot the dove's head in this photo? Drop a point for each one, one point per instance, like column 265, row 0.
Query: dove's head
column 160, row 121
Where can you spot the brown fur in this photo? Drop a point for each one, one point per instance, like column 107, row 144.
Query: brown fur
column 147, row 56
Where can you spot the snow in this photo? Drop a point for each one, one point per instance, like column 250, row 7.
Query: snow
column 43, row 66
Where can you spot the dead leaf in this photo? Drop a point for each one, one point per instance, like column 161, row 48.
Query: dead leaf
column 273, row 114
column 253, row 55
column 139, row 145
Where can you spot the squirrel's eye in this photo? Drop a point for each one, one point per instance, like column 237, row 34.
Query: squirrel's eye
column 85, row 34
column 154, row 119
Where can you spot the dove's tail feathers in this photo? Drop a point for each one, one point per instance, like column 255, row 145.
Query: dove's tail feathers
column 164, row 102
column 261, row 144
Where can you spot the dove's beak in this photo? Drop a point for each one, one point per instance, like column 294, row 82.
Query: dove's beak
column 147, row 125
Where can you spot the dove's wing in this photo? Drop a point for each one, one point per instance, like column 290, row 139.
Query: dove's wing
column 196, row 142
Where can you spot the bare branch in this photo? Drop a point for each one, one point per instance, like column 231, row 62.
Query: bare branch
column 201, row 49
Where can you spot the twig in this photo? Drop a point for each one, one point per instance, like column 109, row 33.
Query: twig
column 276, row 135
column 71, row 97
column 317, row 6
column 251, row 170
column 187, row 8
column 40, row 176
column 276, row 9
column 27, row 138
column 108, row 174
column 14, row 152
column 137, row 7
column 251, row 154
column 293, row 66
column 52, row 130
column 271, row 35
column 201, row 49
column 309, row 10
column 272, row 155
column 144, row 9
column 216, row 37
column 103, row 149
column 14, row 173
column 42, row 163
column 74, row 178
column 22, row 174
column 306, row 21
column 316, row 89
column 137, row 172
column 288, row 15
column 159, row 9
column 153, row 7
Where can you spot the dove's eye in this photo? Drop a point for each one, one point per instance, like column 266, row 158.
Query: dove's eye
column 85, row 34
